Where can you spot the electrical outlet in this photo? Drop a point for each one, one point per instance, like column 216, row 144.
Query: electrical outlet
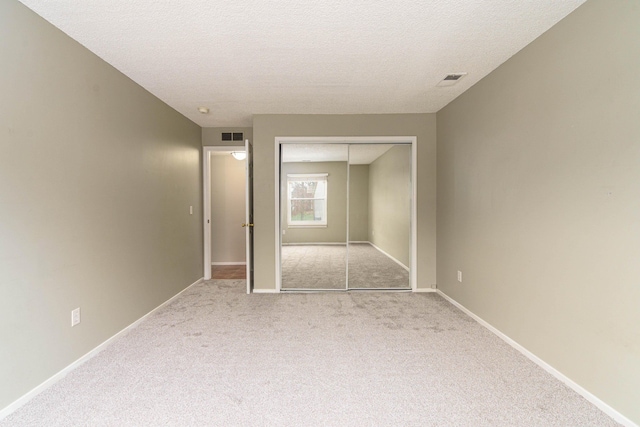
column 75, row 316
column 459, row 276
column 284, row 232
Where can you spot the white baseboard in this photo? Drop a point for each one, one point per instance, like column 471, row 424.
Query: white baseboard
column 58, row 376
column 390, row 257
column 425, row 290
column 265, row 291
column 229, row 263
column 617, row 416
column 315, row 244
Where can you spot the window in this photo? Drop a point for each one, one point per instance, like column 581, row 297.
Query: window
column 307, row 197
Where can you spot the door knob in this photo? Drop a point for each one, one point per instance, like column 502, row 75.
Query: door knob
column 247, row 225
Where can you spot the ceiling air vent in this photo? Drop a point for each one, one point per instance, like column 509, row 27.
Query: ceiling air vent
column 451, row 79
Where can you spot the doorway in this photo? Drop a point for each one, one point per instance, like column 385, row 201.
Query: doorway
column 346, row 214
column 226, row 191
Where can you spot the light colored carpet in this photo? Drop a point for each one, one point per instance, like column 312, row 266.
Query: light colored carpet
column 370, row 268
column 324, row 267
column 219, row 357
column 314, row 266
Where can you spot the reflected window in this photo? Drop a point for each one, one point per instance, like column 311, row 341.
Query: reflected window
column 307, row 199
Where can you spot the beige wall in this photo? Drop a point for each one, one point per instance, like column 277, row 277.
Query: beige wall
column 228, row 178
column 267, row 127
column 539, row 199
column 96, row 180
column 359, row 203
column 336, row 229
column 390, row 203
column 213, row 136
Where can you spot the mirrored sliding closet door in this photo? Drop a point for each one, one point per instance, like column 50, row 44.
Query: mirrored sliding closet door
column 313, row 206
column 379, row 216
column 345, row 218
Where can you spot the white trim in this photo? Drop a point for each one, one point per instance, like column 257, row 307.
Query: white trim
column 297, row 176
column 12, row 407
column 229, row 263
column 413, row 258
column 412, row 140
column 348, row 218
column 278, row 231
column 391, row 258
column 617, row 416
column 206, row 210
column 206, row 199
column 423, row 290
column 346, row 139
column 248, row 212
column 265, row 291
column 206, row 205
column 314, row 243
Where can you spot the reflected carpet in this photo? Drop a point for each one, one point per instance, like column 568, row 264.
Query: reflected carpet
column 324, row 267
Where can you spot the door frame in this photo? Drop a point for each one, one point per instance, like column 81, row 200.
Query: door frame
column 206, row 199
column 411, row 140
column 248, row 224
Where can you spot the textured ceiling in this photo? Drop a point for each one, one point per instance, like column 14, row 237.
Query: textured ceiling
column 247, row 57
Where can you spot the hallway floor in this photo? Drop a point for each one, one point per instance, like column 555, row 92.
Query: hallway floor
column 229, row 272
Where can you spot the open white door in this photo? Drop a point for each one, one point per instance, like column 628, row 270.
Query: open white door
column 206, row 207
column 249, row 213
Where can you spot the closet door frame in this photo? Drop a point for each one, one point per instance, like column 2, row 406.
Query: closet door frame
column 412, row 140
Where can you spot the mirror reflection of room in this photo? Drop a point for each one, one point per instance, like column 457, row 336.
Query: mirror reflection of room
column 379, row 216
column 331, row 191
column 314, row 216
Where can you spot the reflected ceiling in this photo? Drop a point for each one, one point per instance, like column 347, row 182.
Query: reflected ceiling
column 358, row 154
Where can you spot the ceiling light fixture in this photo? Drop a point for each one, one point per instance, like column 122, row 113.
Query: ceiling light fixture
column 239, row 155
column 203, row 110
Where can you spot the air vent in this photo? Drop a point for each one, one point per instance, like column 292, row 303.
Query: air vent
column 451, row 79
column 235, row 136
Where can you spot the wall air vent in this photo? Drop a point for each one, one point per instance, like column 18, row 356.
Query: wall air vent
column 232, row 136
column 451, row 79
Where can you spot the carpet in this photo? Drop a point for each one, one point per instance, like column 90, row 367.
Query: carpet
column 218, row 357
column 325, row 267
column 370, row 268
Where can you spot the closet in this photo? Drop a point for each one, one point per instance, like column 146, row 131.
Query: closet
column 345, row 216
